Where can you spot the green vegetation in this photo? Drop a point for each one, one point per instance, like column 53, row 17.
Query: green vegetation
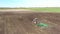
column 46, row 9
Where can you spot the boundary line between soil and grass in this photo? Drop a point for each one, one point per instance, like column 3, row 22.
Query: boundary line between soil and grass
column 37, row 9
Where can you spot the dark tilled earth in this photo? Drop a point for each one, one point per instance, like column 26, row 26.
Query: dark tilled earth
column 21, row 23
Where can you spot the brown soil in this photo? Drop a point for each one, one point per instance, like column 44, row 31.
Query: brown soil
column 21, row 23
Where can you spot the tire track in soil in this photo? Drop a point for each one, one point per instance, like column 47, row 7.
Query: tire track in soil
column 22, row 27
column 13, row 27
column 2, row 25
column 29, row 27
